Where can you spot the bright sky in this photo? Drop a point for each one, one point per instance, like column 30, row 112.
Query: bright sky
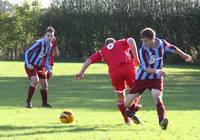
column 45, row 3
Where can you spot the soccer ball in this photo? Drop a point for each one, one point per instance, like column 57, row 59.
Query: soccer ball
column 67, row 116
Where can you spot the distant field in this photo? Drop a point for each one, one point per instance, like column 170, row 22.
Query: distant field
column 94, row 105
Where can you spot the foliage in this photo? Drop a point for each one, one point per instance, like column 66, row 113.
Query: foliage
column 83, row 25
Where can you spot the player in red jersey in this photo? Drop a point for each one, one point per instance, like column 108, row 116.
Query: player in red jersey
column 53, row 49
column 116, row 54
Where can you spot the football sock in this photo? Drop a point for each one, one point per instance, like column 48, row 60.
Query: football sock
column 122, row 109
column 31, row 91
column 43, row 93
column 161, row 111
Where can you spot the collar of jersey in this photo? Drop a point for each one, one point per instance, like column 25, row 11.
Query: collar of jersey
column 158, row 43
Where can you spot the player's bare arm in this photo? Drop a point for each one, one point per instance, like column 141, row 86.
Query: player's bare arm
column 86, row 64
column 134, row 51
column 184, row 55
column 48, row 66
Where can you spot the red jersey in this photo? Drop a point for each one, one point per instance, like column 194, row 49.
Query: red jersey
column 114, row 54
column 51, row 58
column 53, row 46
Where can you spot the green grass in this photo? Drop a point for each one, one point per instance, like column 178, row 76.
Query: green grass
column 94, row 105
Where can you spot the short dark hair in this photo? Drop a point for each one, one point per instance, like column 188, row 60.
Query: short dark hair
column 50, row 29
column 109, row 40
column 148, row 33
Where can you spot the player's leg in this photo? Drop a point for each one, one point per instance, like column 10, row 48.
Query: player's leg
column 134, row 94
column 161, row 111
column 44, row 92
column 121, row 106
column 129, row 74
column 34, row 80
column 135, row 105
column 119, row 88
column 131, row 112
column 44, row 88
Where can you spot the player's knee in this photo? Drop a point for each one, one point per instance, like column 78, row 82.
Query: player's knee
column 128, row 88
column 34, row 81
column 120, row 98
column 157, row 96
column 121, row 101
column 130, row 98
column 44, row 85
column 120, row 95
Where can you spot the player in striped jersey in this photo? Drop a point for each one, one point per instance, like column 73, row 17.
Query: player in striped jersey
column 150, row 73
column 35, row 69
column 53, row 50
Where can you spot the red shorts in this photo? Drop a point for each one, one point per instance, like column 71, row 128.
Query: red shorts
column 123, row 76
column 40, row 72
column 141, row 85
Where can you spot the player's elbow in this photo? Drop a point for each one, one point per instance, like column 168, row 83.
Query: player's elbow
column 131, row 41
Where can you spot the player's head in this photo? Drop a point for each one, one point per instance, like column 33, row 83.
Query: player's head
column 109, row 40
column 148, row 36
column 49, row 33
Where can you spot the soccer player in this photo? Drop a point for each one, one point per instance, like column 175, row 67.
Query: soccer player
column 53, row 49
column 116, row 54
column 150, row 73
column 34, row 57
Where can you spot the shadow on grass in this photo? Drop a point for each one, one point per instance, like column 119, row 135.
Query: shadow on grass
column 95, row 92
column 36, row 130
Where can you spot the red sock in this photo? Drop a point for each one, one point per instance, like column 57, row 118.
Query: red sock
column 31, row 91
column 122, row 109
column 43, row 93
column 161, row 111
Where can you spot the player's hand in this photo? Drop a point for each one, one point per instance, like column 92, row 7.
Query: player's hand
column 187, row 58
column 50, row 73
column 29, row 66
column 161, row 72
column 79, row 76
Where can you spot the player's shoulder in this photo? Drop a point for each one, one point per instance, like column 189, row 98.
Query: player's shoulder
column 40, row 41
column 164, row 42
column 161, row 40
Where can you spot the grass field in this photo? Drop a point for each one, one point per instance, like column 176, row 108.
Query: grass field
column 94, row 105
